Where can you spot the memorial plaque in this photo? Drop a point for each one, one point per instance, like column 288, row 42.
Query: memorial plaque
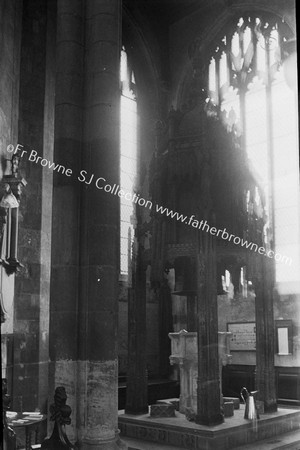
column 243, row 336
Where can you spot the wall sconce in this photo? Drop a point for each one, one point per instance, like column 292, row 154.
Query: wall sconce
column 9, row 200
column 9, row 221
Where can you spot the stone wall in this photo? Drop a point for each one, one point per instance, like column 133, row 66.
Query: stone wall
column 10, row 41
column 36, row 121
column 242, row 309
column 287, row 307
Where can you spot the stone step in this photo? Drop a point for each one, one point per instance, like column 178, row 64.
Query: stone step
column 286, row 441
column 136, row 444
column 276, row 431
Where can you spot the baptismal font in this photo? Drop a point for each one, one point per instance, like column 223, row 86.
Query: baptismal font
column 184, row 353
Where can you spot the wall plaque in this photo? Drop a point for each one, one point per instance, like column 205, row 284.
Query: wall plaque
column 243, row 336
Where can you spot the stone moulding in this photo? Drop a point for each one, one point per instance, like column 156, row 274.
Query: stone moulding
column 193, row 436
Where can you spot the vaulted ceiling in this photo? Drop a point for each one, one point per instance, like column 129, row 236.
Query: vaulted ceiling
column 167, row 11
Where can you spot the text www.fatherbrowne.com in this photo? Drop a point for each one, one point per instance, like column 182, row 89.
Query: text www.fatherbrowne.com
column 221, row 232
column 100, row 183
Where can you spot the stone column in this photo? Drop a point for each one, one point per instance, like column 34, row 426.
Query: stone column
column 191, row 303
column 265, row 370
column 264, row 283
column 208, row 387
column 224, row 355
column 137, row 380
column 165, row 327
column 99, row 234
column 63, row 339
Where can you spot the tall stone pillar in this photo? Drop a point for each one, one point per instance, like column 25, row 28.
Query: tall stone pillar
column 63, row 339
column 208, row 387
column 165, row 327
column 264, row 286
column 191, row 304
column 265, row 370
column 99, row 234
column 137, row 379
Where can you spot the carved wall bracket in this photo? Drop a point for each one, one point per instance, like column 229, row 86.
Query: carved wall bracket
column 10, row 193
column 11, row 186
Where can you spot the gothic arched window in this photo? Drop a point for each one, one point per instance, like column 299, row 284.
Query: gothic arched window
column 247, row 83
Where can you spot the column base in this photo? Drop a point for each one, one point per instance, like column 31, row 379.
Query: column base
column 116, row 444
column 209, row 421
column 102, row 444
column 270, row 407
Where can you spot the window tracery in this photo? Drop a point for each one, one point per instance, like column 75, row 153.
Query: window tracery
column 248, row 88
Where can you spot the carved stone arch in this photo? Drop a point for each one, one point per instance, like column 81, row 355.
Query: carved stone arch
column 141, row 57
column 205, row 39
column 147, row 90
column 264, row 7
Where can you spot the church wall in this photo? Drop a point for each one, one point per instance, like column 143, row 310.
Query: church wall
column 238, row 309
column 287, row 307
column 36, row 120
column 241, row 309
column 27, row 119
column 10, row 39
column 241, row 370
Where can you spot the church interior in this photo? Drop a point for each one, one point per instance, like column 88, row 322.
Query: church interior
column 150, row 224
